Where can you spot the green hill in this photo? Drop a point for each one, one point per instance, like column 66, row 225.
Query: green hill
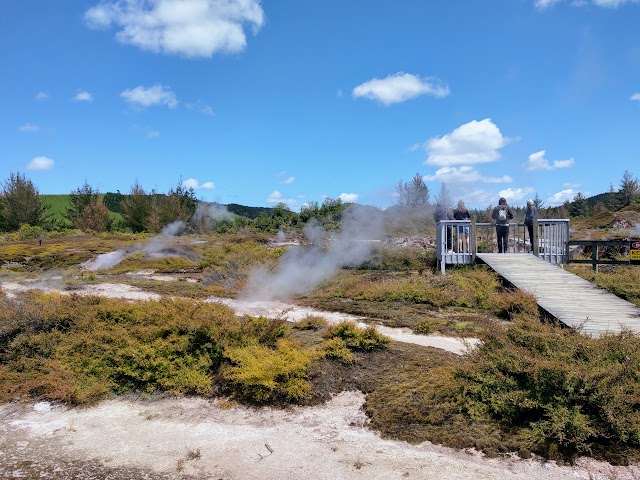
column 58, row 205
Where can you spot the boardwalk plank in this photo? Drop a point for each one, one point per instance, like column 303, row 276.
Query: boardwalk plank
column 574, row 301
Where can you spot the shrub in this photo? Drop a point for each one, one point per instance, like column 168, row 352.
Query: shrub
column 260, row 374
column 311, row 322
column 358, row 338
column 336, row 349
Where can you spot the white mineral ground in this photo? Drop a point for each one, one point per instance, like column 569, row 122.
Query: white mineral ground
column 179, row 438
column 210, row 439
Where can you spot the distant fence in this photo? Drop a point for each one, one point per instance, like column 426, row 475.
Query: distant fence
column 598, row 246
column 458, row 241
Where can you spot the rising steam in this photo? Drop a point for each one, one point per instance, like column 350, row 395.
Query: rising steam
column 302, row 269
column 159, row 246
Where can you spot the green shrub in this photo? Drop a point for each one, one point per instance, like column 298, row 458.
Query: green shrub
column 562, row 393
column 260, row 374
column 336, row 349
column 311, row 322
column 358, row 338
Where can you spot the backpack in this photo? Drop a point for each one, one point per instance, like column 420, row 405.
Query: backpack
column 502, row 214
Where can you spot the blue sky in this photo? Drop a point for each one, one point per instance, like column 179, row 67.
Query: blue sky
column 258, row 102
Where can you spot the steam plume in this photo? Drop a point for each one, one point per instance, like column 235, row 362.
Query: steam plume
column 302, row 269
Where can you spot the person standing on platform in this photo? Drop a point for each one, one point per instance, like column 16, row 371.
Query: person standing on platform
column 502, row 214
column 461, row 213
column 530, row 215
column 442, row 213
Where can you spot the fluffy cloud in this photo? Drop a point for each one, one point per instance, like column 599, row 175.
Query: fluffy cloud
column 515, row 194
column 83, row 96
column 543, row 4
column 561, row 197
column 191, row 28
column 42, row 96
column 399, row 87
column 29, row 127
column 40, row 163
column 463, row 174
column 276, row 197
column 635, row 97
column 471, row 143
column 348, row 197
column 195, row 184
column 537, row 162
column 145, row 97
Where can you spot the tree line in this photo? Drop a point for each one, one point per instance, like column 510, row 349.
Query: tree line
column 415, row 193
column 21, row 205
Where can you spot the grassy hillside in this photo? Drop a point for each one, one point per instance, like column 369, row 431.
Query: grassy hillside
column 58, row 205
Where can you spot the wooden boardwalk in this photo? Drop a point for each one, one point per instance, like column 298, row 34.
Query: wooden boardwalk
column 567, row 297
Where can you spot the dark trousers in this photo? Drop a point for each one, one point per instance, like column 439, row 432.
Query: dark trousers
column 502, row 232
column 530, row 228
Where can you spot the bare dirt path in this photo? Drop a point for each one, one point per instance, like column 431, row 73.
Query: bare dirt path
column 195, row 438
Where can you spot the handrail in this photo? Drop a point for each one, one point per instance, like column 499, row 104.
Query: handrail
column 550, row 240
column 595, row 246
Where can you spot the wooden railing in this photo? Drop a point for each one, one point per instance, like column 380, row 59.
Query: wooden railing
column 595, row 252
column 550, row 240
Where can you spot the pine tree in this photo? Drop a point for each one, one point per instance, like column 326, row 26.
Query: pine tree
column 443, row 197
column 135, row 208
column 628, row 191
column 412, row 194
column 21, row 203
column 80, row 199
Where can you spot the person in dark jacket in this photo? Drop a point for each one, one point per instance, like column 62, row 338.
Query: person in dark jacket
column 502, row 214
column 461, row 213
column 442, row 213
column 530, row 214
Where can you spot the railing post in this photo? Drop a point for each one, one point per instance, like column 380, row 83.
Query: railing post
column 535, row 244
column 473, row 246
column 594, row 257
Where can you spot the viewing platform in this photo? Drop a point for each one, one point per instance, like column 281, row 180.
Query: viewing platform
column 536, row 269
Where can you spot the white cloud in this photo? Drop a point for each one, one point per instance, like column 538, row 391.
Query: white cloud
column 276, row 197
column 193, row 183
column 399, row 87
column 635, row 97
column 543, row 4
column 83, row 96
column 463, row 174
column 191, row 28
column 40, row 163
column 561, row 197
column 514, row 194
column 538, row 162
column 288, row 180
column 471, row 143
column 348, row 197
column 145, row 97
column 29, row 127
column 42, row 96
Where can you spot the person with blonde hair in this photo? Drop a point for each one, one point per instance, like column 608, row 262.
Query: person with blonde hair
column 461, row 213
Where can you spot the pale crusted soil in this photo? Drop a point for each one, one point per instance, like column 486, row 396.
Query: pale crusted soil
column 196, row 438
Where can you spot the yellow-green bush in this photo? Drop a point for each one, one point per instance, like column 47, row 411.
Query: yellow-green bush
column 358, row 338
column 336, row 349
column 539, row 388
column 262, row 374
column 78, row 349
